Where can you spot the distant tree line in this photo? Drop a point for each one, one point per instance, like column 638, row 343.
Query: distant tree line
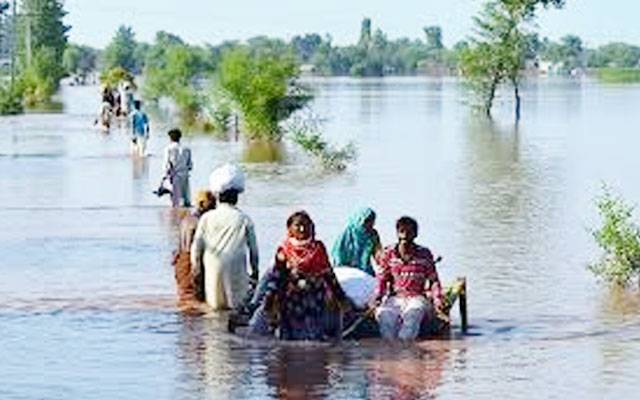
column 373, row 55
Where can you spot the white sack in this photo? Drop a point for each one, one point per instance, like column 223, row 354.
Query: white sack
column 359, row 286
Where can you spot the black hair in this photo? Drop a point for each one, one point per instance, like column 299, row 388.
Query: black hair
column 229, row 197
column 175, row 134
column 298, row 215
column 407, row 222
column 301, row 216
column 137, row 104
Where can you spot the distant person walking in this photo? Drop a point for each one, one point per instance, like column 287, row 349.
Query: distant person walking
column 139, row 130
column 177, row 167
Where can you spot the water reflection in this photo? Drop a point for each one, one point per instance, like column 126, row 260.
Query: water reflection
column 298, row 373
column 552, row 96
column 408, row 373
column 264, row 151
column 618, row 347
column 140, row 168
column 219, row 366
column 510, row 186
column 435, row 97
column 372, row 99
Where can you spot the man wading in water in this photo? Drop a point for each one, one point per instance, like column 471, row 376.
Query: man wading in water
column 139, row 130
column 177, row 167
column 221, row 242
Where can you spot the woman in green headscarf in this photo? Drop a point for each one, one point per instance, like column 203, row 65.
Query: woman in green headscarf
column 358, row 243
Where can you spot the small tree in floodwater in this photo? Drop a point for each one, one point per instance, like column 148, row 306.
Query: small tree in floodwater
column 264, row 88
column 499, row 51
column 619, row 238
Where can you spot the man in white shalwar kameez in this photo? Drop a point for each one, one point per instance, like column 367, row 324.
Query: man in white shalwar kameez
column 221, row 242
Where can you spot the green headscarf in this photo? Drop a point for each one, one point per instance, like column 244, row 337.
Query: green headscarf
column 355, row 246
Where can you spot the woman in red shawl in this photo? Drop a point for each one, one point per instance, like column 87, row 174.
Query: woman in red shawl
column 301, row 288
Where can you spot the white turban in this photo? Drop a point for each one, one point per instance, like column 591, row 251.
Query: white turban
column 225, row 178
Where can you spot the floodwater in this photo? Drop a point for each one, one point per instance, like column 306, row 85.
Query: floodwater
column 87, row 294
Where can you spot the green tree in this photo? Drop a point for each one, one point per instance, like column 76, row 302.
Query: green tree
column 42, row 28
column 42, row 39
column 121, row 51
column 259, row 45
column 173, row 77
column 79, row 60
column 365, row 33
column 306, row 46
column 617, row 55
column 500, row 48
column 140, row 56
column 264, row 89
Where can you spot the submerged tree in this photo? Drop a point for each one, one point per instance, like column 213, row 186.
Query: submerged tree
column 498, row 52
column 173, row 76
column 264, row 89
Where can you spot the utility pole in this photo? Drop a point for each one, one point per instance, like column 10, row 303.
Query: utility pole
column 27, row 38
column 13, row 43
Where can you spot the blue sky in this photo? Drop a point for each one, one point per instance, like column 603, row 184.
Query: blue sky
column 199, row 21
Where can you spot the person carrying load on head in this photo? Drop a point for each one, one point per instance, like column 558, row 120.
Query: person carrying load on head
column 300, row 289
column 358, row 243
column 221, row 242
column 139, row 130
column 408, row 288
column 177, row 167
column 190, row 281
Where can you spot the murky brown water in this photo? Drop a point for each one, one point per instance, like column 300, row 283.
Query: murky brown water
column 87, row 298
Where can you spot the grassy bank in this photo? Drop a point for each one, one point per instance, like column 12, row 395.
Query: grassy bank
column 619, row 75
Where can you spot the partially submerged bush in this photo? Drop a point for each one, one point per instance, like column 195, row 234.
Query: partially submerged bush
column 307, row 135
column 10, row 100
column 619, row 238
column 264, row 88
column 38, row 82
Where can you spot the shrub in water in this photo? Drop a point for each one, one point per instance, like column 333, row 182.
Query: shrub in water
column 305, row 133
column 10, row 101
column 619, row 238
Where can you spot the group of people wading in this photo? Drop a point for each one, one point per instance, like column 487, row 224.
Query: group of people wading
column 177, row 163
column 120, row 103
column 300, row 295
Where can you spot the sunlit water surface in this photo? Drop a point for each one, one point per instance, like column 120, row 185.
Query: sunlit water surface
column 87, row 295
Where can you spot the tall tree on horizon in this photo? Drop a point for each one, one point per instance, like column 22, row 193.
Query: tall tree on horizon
column 499, row 50
column 43, row 34
column 121, row 51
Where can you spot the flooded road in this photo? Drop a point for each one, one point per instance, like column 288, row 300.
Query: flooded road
column 87, row 295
